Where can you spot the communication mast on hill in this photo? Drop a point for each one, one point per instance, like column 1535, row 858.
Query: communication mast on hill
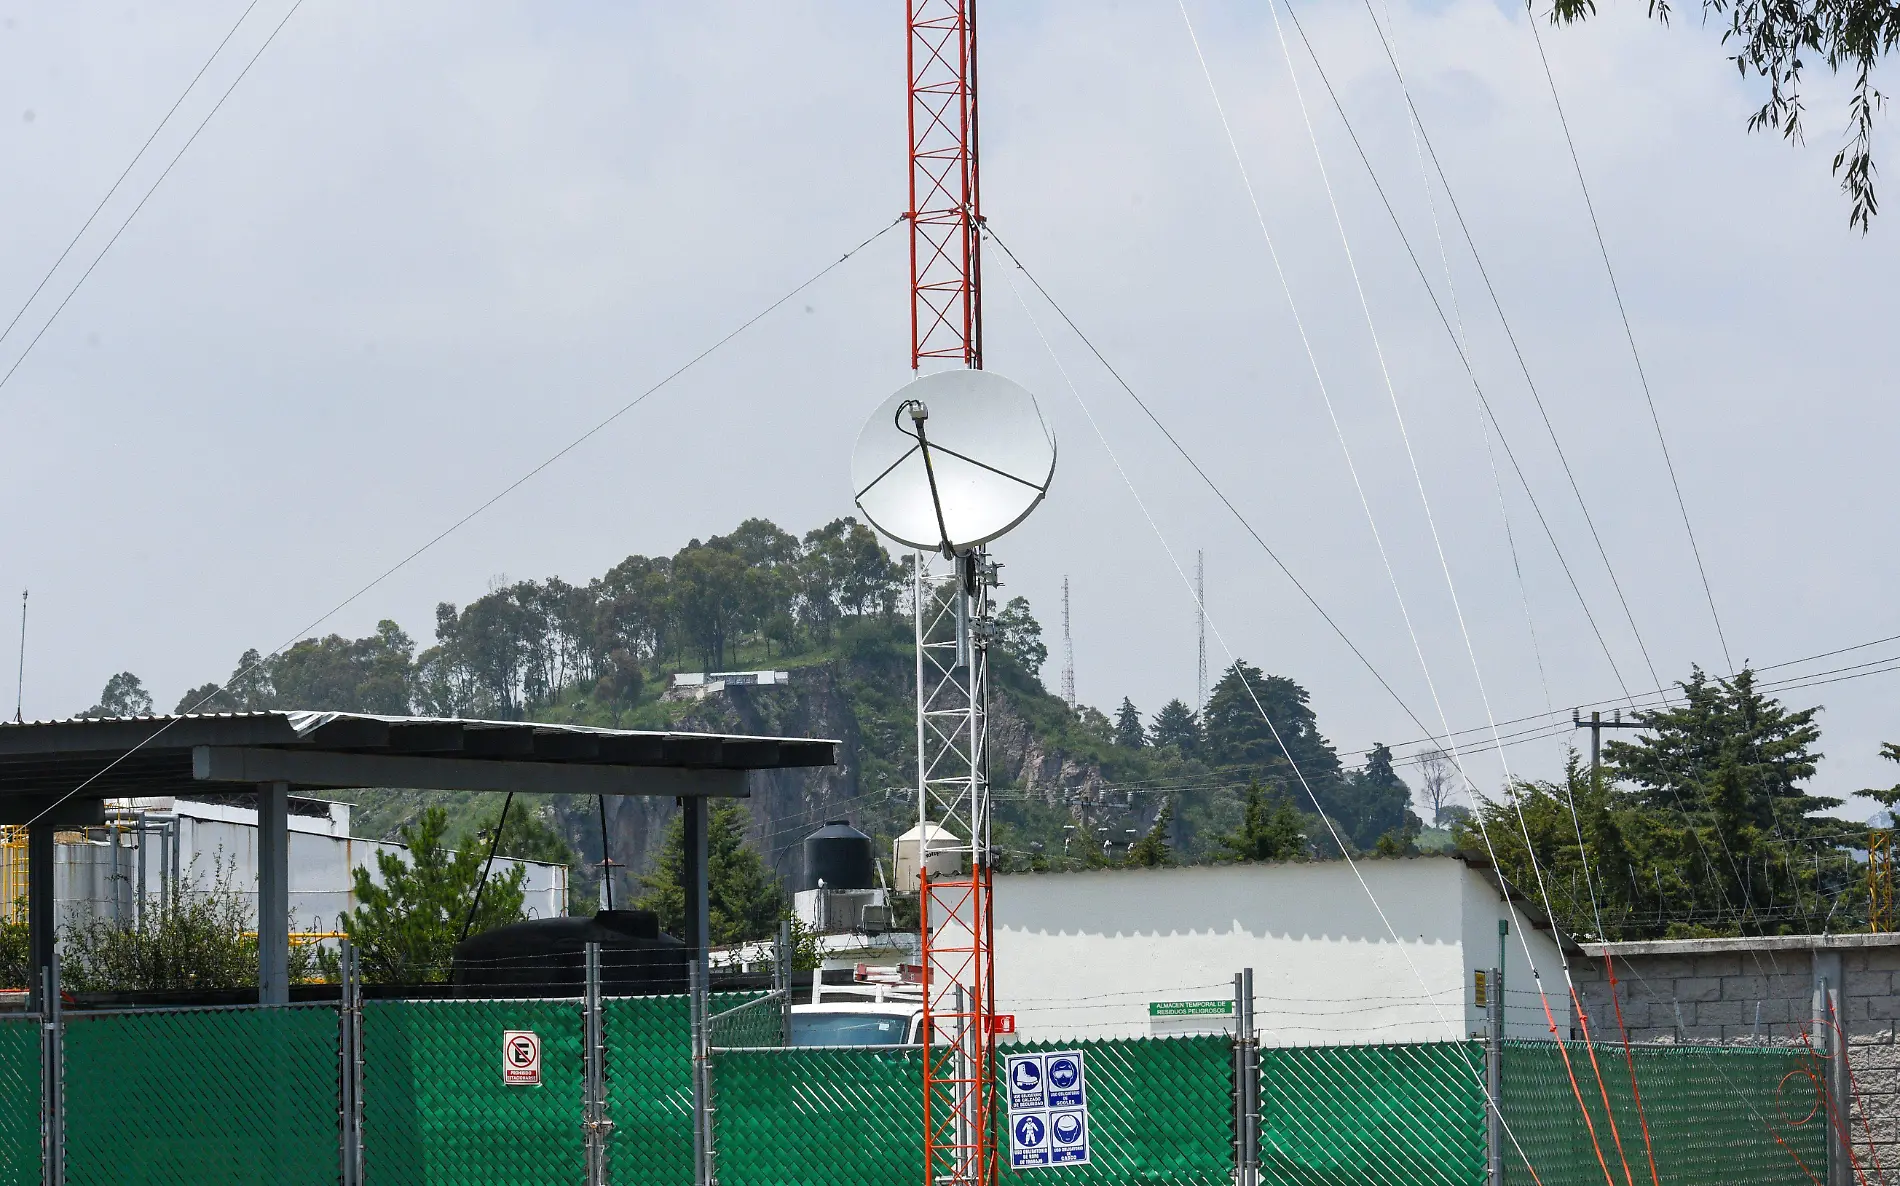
column 1200, row 632
column 950, row 462
column 1068, row 652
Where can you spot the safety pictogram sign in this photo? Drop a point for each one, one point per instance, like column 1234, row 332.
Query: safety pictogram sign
column 521, row 1058
column 1048, row 1109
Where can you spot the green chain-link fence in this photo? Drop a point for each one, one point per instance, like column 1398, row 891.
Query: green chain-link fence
column 202, row 1097
column 1332, row 1115
column 20, row 1054
column 758, row 1022
column 819, row 1117
column 650, row 1085
column 250, row 1095
column 435, row 1109
column 1160, row 1110
column 1715, row 1116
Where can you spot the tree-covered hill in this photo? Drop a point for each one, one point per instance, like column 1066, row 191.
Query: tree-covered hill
column 1071, row 786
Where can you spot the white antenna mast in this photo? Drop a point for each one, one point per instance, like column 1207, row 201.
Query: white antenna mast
column 1200, row 631
column 946, row 465
column 1068, row 651
column 19, row 688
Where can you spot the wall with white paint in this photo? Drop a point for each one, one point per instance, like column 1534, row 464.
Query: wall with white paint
column 1086, row 954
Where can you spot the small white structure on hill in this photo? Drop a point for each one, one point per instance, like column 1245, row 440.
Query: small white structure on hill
column 697, row 685
column 1125, row 953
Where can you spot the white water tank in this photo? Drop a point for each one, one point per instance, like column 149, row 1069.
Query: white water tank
column 926, row 843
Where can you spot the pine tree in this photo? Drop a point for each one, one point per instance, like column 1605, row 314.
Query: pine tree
column 1260, row 721
column 742, row 897
column 1266, row 833
column 1728, row 756
column 1887, row 797
column 1373, row 803
column 1176, row 725
column 406, row 928
column 1128, row 731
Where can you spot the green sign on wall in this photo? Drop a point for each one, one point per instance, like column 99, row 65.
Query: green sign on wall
column 1190, row 1008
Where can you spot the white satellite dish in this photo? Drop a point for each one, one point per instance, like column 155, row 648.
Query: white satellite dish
column 953, row 460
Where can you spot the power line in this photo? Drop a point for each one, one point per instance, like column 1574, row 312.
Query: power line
column 523, row 480
column 1630, row 336
column 1458, row 345
column 1209, row 482
column 176, row 157
column 127, row 172
column 1497, row 305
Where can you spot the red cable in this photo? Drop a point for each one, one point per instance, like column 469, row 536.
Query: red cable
column 1603, row 1088
column 1629, row 1057
column 1575, row 1089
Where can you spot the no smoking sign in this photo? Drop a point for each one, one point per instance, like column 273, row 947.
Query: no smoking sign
column 520, row 1058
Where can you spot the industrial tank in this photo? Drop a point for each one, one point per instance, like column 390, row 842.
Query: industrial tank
column 839, row 856
column 548, row 957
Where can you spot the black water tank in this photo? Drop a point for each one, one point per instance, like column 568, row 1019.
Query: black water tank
column 840, row 856
column 548, row 957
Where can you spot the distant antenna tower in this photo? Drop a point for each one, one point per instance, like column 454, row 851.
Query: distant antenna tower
column 1200, row 632
column 19, row 687
column 1068, row 651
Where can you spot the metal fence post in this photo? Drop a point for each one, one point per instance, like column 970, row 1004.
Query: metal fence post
column 1246, row 1083
column 1494, row 1078
column 350, row 1072
column 782, row 980
column 594, row 1124
column 52, row 1080
column 702, row 1143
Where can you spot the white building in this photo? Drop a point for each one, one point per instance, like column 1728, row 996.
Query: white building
column 1123, row 953
column 101, row 870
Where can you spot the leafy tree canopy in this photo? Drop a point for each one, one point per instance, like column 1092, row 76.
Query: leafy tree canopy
column 123, row 696
column 183, row 938
column 1701, row 828
column 1019, row 638
column 1776, row 40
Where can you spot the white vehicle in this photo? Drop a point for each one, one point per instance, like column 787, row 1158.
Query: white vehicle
column 884, row 1007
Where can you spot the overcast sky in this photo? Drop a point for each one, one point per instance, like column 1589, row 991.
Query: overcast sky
column 424, row 246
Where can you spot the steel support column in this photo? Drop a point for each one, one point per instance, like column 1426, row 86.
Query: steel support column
column 698, row 939
column 41, row 921
column 273, row 893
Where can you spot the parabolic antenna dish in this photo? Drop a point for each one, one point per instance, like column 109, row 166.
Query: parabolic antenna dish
column 953, row 460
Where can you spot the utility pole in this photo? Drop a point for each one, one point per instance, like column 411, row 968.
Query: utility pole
column 1596, row 724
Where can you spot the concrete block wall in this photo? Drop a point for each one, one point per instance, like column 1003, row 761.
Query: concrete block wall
column 1743, row 991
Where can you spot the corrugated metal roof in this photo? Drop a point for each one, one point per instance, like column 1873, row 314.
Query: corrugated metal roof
column 115, row 756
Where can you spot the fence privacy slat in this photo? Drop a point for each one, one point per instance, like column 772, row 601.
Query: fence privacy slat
column 20, row 1099
column 202, row 1099
column 250, row 1095
column 1160, row 1110
column 435, row 1109
column 1393, row 1114
column 819, row 1117
column 1718, row 1116
column 650, row 1086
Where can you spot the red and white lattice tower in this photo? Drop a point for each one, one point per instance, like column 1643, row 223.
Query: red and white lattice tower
column 953, row 620
column 946, row 308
